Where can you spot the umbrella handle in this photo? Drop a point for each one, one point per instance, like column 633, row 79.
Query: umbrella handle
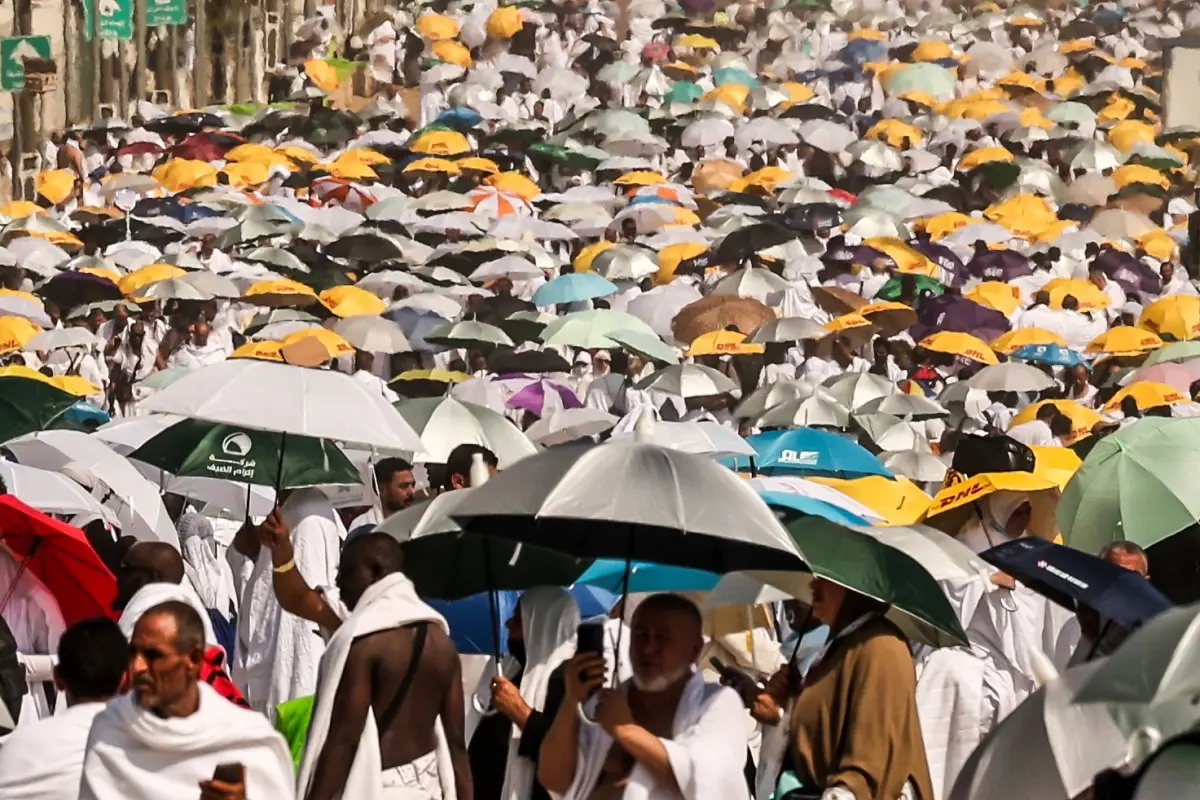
column 477, row 704
column 584, row 718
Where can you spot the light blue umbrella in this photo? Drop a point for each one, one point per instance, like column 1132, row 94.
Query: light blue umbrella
column 1053, row 354
column 809, row 451
column 609, row 574
column 684, row 92
column 811, row 506
column 470, row 619
column 574, row 287
column 735, row 75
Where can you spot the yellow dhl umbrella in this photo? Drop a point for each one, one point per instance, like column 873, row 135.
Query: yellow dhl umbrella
column 963, row 493
column 797, row 92
column 867, row 33
column 1026, row 21
column 1159, row 244
column 351, row 301
column 57, row 185
column 453, row 52
column 731, row 94
column 944, row 224
column 890, row 317
column 846, row 322
column 1139, row 173
column 323, row 74
column 1118, row 108
column 15, row 333
column 1089, row 296
column 245, row 174
column 436, row 27
column 1125, row 340
column 1025, row 215
column 960, row 344
column 1077, row 46
column 920, row 98
column 1022, row 80
column 984, row 155
column 766, row 178
column 1176, row 315
column 181, row 174
column 515, row 183
column 22, row 371
column 479, row 164
column 260, row 351
column 441, row 143
column 252, row 151
column 76, row 385
column 1057, row 464
column 504, row 22
column 1147, row 394
column 899, row 502
column 351, row 170
column 976, row 109
column 643, row 177
column 19, row 209
column 151, row 273
column 280, row 292
column 932, row 50
column 435, row 165
column 670, row 257
column 583, row 261
column 1083, row 419
column 723, row 343
column 1002, row 297
column 1032, row 117
column 364, row 155
column 697, row 42
column 895, row 133
column 292, row 152
column 314, row 346
column 1128, row 134
column 1025, row 337
column 908, row 260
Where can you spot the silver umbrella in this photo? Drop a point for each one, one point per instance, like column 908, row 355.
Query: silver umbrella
column 1011, row 376
column 688, row 380
column 770, row 396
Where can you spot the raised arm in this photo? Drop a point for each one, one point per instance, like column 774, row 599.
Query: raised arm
column 293, row 592
column 560, row 748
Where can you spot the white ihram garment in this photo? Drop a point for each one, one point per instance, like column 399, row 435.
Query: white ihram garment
column 43, row 759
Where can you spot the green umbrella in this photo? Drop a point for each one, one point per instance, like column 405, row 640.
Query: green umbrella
column 872, row 567
column 195, row 449
column 562, row 155
column 588, row 329
column 28, row 405
column 1177, row 353
column 891, row 289
column 684, row 92
column 1136, row 484
column 645, row 344
column 925, row 77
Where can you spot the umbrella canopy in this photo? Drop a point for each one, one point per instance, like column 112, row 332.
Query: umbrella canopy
column 30, row 405
column 688, row 380
column 568, row 424
column 1010, row 377
column 445, row 422
column 809, row 451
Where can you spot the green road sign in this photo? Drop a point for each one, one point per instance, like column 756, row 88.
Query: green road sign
column 166, row 12
column 116, row 18
column 13, row 52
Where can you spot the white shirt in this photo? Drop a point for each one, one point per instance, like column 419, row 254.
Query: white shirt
column 375, row 384
column 43, row 760
column 372, row 516
column 1035, row 434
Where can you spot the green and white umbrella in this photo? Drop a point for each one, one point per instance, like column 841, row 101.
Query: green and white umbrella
column 443, row 423
column 194, row 449
column 590, row 329
column 470, row 334
column 648, row 345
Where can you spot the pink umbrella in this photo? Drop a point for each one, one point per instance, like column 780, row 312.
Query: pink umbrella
column 1181, row 375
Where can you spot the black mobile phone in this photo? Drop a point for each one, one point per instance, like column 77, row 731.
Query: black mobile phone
column 230, row 773
column 589, row 638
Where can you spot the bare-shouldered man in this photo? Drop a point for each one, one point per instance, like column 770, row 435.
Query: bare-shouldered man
column 374, row 675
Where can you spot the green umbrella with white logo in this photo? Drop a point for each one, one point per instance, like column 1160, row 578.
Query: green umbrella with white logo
column 194, row 449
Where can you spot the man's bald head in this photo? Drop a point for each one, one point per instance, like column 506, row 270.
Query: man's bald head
column 145, row 563
column 366, row 559
column 1128, row 555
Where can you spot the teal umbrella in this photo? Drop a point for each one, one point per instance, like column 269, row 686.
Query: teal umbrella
column 195, row 449
column 684, row 92
column 735, row 75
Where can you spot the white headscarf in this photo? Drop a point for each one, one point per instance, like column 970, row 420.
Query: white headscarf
column 549, row 618
column 987, row 526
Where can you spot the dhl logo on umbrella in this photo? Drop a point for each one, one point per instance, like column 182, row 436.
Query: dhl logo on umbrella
column 958, row 498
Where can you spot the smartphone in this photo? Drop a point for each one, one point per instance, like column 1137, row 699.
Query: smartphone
column 589, row 638
column 230, row 773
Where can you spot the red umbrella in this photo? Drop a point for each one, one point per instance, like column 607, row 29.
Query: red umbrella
column 140, row 149
column 199, row 147
column 61, row 556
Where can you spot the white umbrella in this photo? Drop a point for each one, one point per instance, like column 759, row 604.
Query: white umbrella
column 688, row 380
column 825, row 135
column 373, row 334
column 626, row 263
column 891, row 433
column 53, row 493
column 287, row 399
column 819, row 409
column 425, row 518
column 771, row 395
column 906, row 406
column 817, row 491
column 695, row 437
column 16, row 305
column 468, row 333
column 707, row 132
column 788, row 329
column 484, row 392
column 765, row 130
column 1011, row 376
column 943, row 556
column 916, row 465
column 568, row 424
column 856, row 389
column 757, row 283
column 657, row 307
column 60, row 338
column 172, row 289
column 445, row 422
column 110, row 477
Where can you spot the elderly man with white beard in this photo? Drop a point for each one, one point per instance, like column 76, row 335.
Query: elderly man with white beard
column 663, row 735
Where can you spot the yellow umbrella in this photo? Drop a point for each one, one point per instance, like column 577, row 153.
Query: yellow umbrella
column 280, row 292
column 1077, row 46
column 244, row 174
column 899, row 501
column 76, row 385
column 22, row 371
column 261, row 351
column 895, row 133
column 1057, row 464
column 1127, row 134
column 954, row 504
column 181, row 174
column 438, row 165
column 1024, row 337
column 1159, row 244
column 292, row 152
column 1118, row 108
column 731, row 94
column 1176, row 315
column 932, row 50
column 1032, row 117
column 963, row 345
column 56, row 185
column 514, row 183
column 1026, row 21
column 1022, row 80
column 1139, row 173
column 1125, row 340
column 1002, row 297
column 18, row 209
column 984, row 155
column 766, row 178
column 311, row 347
column 15, row 333
column 797, row 92
column 947, row 223
column 642, row 177
column 697, row 42
column 252, row 151
column 441, row 143
column 436, row 27
column 351, row 301
column 920, row 98
column 1147, row 394
column 723, row 343
column 436, row 375
column 364, row 155
column 479, row 164
column 323, row 74
column 1023, row 214
column 453, row 52
column 102, row 272
column 908, row 260
column 1069, row 83
column 867, row 33
column 351, row 170
column 583, row 261
column 1083, row 419
column 1089, row 296
column 151, row 273
column 977, row 109
column 504, row 22
column 670, row 257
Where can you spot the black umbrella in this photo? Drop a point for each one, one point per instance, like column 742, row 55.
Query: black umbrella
column 69, row 289
column 744, row 242
column 813, row 217
column 506, row 361
column 192, row 122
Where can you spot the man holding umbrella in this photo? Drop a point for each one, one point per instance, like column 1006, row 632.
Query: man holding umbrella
column 1098, row 636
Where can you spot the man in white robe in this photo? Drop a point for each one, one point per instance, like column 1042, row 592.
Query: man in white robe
column 167, row 737
column 36, row 622
column 43, row 760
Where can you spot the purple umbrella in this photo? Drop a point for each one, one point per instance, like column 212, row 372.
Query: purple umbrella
column 944, row 257
column 951, row 313
column 698, row 6
column 999, row 265
column 1133, row 274
column 541, row 397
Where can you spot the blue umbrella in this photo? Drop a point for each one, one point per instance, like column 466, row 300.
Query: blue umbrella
column 460, row 118
column 1073, row 578
column 812, row 507
column 416, row 322
column 1053, row 354
column 574, row 287
column 860, row 51
column 609, row 574
column 810, row 451
column 84, row 413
